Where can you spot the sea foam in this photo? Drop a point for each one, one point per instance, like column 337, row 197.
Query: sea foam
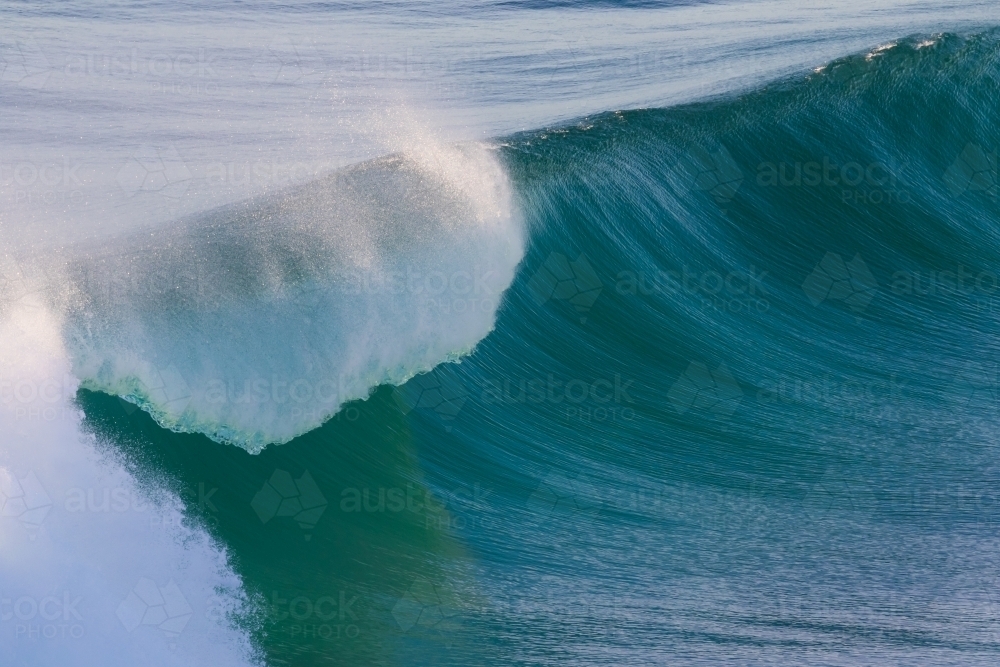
column 95, row 570
column 255, row 322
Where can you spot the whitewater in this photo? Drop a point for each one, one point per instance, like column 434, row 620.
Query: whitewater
column 247, row 233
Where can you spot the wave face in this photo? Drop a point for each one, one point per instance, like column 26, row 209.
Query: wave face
column 745, row 382
column 255, row 322
column 739, row 400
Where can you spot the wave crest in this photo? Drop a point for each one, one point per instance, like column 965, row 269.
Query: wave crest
column 256, row 322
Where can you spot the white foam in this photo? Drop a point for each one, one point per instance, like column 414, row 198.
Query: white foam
column 256, row 322
column 71, row 563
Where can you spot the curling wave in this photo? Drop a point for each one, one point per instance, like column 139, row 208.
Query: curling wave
column 256, row 322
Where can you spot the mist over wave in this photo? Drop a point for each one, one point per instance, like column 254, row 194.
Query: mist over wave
column 98, row 567
column 254, row 323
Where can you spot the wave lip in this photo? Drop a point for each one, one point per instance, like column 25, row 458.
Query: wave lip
column 255, row 323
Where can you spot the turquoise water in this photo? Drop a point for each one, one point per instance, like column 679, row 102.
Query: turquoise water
column 695, row 447
column 700, row 383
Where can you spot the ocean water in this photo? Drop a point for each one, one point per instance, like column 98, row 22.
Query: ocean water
column 509, row 333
